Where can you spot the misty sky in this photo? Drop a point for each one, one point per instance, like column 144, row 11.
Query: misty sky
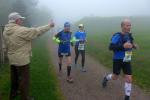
column 72, row 10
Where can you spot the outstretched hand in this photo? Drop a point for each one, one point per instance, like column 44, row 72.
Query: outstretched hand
column 51, row 24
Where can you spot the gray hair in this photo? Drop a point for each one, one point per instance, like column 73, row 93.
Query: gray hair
column 125, row 21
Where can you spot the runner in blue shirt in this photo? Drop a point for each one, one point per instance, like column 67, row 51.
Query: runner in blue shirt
column 121, row 45
column 80, row 37
column 64, row 40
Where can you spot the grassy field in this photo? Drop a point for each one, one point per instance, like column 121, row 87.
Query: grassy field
column 44, row 84
column 100, row 31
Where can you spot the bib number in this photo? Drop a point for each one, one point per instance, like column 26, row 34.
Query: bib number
column 81, row 46
column 128, row 56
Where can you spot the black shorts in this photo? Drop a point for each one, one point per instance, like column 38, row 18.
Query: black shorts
column 125, row 66
column 64, row 54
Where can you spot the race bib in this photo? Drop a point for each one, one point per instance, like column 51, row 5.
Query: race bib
column 81, row 46
column 64, row 54
column 128, row 56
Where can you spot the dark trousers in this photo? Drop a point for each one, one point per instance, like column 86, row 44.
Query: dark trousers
column 77, row 52
column 19, row 82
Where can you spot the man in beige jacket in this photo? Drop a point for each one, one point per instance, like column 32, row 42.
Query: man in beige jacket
column 18, row 41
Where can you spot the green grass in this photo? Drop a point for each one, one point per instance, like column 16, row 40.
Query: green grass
column 44, row 83
column 99, row 34
column 4, row 82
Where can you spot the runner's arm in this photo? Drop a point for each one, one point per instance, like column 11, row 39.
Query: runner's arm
column 56, row 38
column 114, row 45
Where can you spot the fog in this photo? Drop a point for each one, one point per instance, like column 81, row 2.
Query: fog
column 73, row 10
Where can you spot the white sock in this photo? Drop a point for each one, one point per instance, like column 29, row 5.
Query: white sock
column 109, row 77
column 127, row 88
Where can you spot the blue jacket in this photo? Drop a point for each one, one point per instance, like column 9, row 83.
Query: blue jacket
column 81, row 36
column 64, row 45
column 117, row 42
